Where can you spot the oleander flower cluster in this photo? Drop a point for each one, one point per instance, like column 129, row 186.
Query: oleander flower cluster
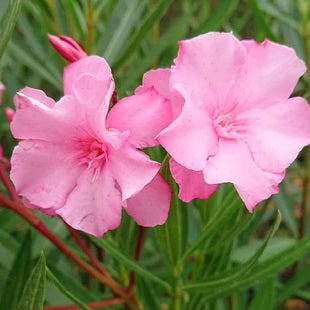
column 223, row 113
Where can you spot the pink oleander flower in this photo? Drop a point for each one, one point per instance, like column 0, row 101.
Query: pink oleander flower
column 238, row 123
column 81, row 162
column 2, row 89
column 67, row 47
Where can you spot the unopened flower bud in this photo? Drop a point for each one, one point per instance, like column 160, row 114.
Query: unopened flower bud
column 9, row 113
column 67, row 47
column 2, row 89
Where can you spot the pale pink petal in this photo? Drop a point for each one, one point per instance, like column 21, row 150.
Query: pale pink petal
column 279, row 133
column 93, row 96
column 270, row 74
column 47, row 211
column 207, row 67
column 191, row 138
column 90, row 81
column 94, row 205
column 150, row 206
column 160, row 80
column 191, row 183
column 37, row 95
column 233, row 163
column 131, row 168
column 144, row 115
column 43, row 173
column 36, row 120
column 92, row 65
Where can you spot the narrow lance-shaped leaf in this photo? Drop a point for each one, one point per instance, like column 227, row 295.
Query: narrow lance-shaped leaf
column 169, row 235
column 261, row 271
column 263, row 299
column 117, row 254
column 33, row 293
column 232, row 276
column 134, row 43
column 8, row 22
column 17, row 276
column 67, row 293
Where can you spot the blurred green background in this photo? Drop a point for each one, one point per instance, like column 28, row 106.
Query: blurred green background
column 135, row 36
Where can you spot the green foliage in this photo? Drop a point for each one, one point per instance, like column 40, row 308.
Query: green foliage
column 17, row 276
column 210, row 254
column 33, row 293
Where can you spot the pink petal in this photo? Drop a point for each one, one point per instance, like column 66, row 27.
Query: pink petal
column 93, row 96
column 92, row 65
column 191, row 138
column 131, row 168
column 233, row 163
column 207, row 67
column 43, row 174
column 144, row 115
column 160, row 80
column 37, row 95
column 150, row 206
column 270, row 74
column 279, row 133
column 35, row 118
column 191, row 183
column 94, row 205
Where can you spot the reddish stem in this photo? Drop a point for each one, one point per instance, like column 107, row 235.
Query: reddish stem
column 87, row 251
column 94, row 305
column 6, row 181
column 138, row 250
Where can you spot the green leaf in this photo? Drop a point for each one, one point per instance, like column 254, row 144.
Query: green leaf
column 17, row 276
column 263, row 25
column 8, row 22
column 170, row 234
column 67, row 293
column 135, row 40
column 33, row 293
column 232, row 276
column 278, row 13
column 222, row 216
column 148, row 294
column 263, row 299
column 292, row 286
column 126, row 15
column 219, row 15
column 262, row 270
column 109, row 248
column 175, row 32
column 284, row 203
column 18, row 52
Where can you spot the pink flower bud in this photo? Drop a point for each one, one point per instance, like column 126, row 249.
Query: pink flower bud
column 2, row 89
column 9, row 113
column 67, row 47
column 1, row 152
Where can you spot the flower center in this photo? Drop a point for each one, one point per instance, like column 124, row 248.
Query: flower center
column 91, row 153
column 228, row 126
